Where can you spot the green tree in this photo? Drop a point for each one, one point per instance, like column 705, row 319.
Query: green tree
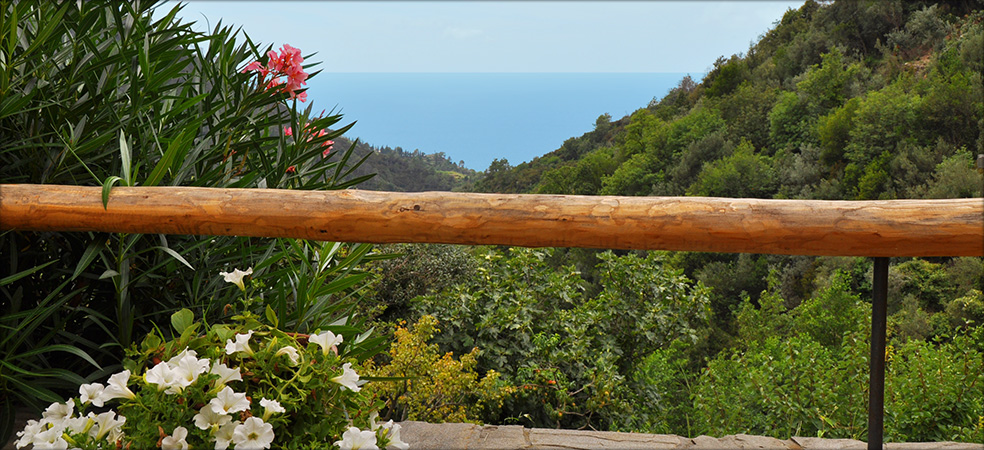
column 743, row 174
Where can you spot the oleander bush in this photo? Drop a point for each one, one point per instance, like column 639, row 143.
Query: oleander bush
column 100, row 93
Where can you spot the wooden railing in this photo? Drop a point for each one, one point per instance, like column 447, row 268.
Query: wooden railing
column 879, row 229
column 952, row 227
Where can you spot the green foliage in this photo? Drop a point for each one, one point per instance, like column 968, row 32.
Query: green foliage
column 923, row 32
column 694, row 126
column 926, row 282
column 567, row 355
column 725, row 77
column 785, row 386
column 288, row 368
column 636, row 176
column 790, row 124
column 954, row 177
column 403, row 171
column 417, row 269
column 825, row 85
column 929, row 391
column 585, row 177
column 660, row 400
column 834, row 131
column 883, row 119
column 742, row 174
column 101, row 94
column 431, row 386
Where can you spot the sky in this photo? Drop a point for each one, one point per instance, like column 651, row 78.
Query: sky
column 501, row 36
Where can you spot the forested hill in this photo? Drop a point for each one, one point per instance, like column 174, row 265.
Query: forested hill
column 863, row 99
column 403, row 171
column 840, row 100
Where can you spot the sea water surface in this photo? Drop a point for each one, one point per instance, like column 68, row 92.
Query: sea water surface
column 478, row 117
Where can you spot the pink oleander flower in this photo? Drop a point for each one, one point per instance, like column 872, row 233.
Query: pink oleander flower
column 286, row 63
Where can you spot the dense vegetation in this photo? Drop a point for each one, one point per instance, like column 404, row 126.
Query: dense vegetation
column 402, row 171
column 840, row 100
column 100, row 93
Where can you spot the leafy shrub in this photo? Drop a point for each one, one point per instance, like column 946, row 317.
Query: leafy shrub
column 431, row 386
column 100, row 93
column 743, row 174
column 930, row 391
column 567, row 356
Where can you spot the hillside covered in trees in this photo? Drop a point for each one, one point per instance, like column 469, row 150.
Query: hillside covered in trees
column 846, row 100
column 840, row 100
column 402, row 171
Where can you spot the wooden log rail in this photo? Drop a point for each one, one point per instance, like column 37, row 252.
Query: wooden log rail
column 952, row 227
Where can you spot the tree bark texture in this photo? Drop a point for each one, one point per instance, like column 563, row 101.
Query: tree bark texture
column 951, row 227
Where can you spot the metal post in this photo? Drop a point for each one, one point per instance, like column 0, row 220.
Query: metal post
column 876, row 383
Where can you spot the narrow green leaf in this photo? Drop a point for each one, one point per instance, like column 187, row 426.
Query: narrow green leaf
column 175, row 255
column 170, row 156
column 87, row 257
column 27, row 390
column 62, row 348
column 107, row 185
column 125, row 156
column 109, row 273
column 12, row 278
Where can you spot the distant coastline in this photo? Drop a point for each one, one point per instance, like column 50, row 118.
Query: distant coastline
column 477, row 117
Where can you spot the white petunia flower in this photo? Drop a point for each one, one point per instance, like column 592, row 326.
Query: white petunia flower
column 355, row 439
column 57, row 412
column 391, row 431
column 291, row 353
column 207, row 418
column 236, row 277
column 223, row 436
column 240, row 345
column 50, row 439
column 187, row 351
column 253, row 434
column 327, row 340
column 91, row 393
column 270, row 407
column 106, row 422
column 188, row 360
column 169, row 379
column 348, row 379
column 225, row 373
column 76, row 425
column 116, row 387
column 26, row 436
column 228, row 402
column 176, row 441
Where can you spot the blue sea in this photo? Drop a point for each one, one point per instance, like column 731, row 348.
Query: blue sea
column 478, row 117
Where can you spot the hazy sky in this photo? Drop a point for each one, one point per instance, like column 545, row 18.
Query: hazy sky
column 502, row 36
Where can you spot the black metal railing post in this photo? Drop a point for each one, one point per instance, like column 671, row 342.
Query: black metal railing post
column 876, row 364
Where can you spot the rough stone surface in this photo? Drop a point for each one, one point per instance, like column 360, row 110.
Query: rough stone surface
column 427, row 436
column 813, row 443
column 933, row 446
column 467, row 436
column 541, row 438
column 747, row 441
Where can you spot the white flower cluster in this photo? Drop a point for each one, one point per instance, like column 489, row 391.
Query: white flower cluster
column 57, row 427
column 356, row 439
column 57, row 422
